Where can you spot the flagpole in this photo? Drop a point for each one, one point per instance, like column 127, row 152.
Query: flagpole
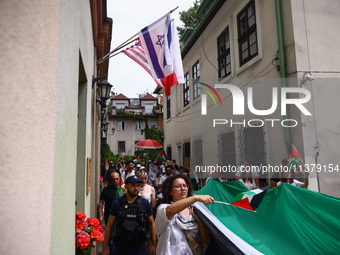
column 111, row 56
column 219, row 202
column 127, row 42
column 174, row 9
column 123, row 44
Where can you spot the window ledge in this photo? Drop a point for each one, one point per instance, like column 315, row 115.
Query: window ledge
column 186, row 107
column 225, row 79
column 196, row 101
column 248, row 64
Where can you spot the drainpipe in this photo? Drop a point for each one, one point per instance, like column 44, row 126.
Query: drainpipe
column 282, row 59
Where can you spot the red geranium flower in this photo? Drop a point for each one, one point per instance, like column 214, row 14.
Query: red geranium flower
column 87, row 231
column 80, row 216
column 97, row 235
column 100, row 228
column 83, row 239
column 79, row 225
column 93, row 222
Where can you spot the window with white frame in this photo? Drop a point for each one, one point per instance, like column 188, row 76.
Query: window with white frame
column 223, row 48
column 138, row 125
column 120, row 105
column 121, row 125
column 196, row 78
column 247, row 33
column 186, row 91
column 148, row 108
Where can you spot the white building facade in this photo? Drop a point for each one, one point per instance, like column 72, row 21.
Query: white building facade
column 263, row 48
column 129, row 118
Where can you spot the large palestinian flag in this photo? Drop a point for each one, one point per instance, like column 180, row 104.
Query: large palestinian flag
column 289, row 220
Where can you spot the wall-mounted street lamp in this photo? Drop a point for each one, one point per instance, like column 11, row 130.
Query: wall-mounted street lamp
column 103, row 91
column 113, row 131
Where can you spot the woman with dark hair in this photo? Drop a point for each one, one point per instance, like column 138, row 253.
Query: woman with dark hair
column 178, row 229
column 246, row 179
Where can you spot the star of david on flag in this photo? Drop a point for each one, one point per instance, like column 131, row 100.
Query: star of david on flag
column 161, row 46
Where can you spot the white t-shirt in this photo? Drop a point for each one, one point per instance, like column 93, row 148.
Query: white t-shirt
column 242, row 168
column 163, row 178
column 127, row 174
column 249, row 185
column 171, row 239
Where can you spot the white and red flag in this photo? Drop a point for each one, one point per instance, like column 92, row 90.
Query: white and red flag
column 161, row 47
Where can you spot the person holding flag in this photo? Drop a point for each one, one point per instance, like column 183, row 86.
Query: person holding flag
column 287, row 178
column 177, row 226
column 296, row 163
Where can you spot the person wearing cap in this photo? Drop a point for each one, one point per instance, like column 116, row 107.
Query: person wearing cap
column 130, row 212
column 245, row 167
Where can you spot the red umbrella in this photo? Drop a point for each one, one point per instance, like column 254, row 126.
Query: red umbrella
column 149, row 144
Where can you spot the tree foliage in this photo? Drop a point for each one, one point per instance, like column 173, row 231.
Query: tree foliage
column 189, row 18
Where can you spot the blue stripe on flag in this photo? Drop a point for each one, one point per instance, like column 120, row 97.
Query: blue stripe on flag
column 169, row 37
column 152, row 53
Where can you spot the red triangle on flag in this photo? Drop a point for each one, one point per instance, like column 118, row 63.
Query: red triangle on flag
column 294, row 153
column 243, row 203
column 138, row 158
column 121, row 182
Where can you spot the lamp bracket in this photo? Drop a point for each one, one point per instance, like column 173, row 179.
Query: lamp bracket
column 94, row 80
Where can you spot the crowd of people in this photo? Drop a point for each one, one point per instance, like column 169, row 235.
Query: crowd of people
column 152, row 214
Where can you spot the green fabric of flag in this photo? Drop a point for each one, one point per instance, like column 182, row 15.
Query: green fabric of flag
column 119, row 192
column 289, row 220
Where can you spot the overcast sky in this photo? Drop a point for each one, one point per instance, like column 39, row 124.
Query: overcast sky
column 129, row 17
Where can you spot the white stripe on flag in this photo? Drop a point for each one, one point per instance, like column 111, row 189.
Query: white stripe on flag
column 239, row 242
column 137, row 54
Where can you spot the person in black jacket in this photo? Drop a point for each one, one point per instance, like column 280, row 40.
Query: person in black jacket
column 134, row 217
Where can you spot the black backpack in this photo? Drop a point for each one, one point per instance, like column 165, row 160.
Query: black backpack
column 132, row 223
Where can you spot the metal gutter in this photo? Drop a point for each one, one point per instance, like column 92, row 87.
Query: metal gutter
column 283, row 70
